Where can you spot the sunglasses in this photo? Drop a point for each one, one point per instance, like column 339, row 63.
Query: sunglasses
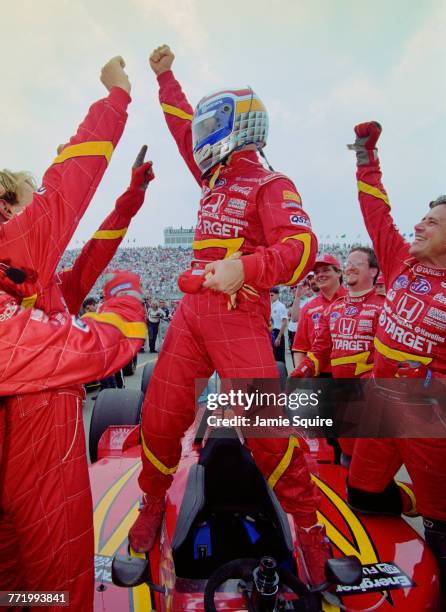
column 10, row 197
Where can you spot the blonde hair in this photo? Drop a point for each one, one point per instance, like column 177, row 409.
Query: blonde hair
column 12, row 182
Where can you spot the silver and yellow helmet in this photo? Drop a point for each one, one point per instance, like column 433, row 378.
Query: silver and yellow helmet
column 226, row 121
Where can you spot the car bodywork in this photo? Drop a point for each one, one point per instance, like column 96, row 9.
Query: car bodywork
column 399, row 571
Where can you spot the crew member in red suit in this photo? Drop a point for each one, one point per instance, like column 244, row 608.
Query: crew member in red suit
column 252, row 234
column 409, row 343
column 43, row 489
column 328, row 276
column 344, row 339
column 40, row 351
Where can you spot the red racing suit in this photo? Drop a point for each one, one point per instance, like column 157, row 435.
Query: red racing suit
column 75, row 283
column 248, row 209
column 65, row 349
column 48, row 518
column 411, row 326
column 344, row 342
column 309, row 321
column 345, row 335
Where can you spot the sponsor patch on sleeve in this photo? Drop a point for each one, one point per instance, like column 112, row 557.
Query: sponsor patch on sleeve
column 291, row 195
column 300, row 220
column 39, row 315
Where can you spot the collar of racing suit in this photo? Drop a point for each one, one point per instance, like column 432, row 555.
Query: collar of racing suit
column 355, row 294
column 419, row 268
column 248, row 155
column 340, row 292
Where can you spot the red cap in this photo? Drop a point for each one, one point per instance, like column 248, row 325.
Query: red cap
column 328, row 260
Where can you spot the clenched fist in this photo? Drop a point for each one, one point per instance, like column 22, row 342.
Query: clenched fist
column 367, row 135
column 114, row 75
column 161, row 59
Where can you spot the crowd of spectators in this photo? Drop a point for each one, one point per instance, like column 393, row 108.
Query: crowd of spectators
column 160, row 266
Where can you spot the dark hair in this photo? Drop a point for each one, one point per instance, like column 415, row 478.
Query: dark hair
column 440, row 200
column 371, row 258
column 88, row 301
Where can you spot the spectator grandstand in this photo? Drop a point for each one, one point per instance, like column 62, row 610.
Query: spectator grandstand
column 160, row 266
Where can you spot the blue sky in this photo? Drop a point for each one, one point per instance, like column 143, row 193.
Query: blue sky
column 320, row 66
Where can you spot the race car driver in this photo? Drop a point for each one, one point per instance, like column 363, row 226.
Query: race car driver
column 38, row 228
column 257, row 215
column 409, row 342
column 328, row 276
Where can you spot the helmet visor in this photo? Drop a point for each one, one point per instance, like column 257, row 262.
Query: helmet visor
column 212, row 123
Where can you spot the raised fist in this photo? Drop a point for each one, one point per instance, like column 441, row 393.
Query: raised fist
column 191, row 281
column 367, row 135
column 122, row 282
column 161, row 59
column 113, row 74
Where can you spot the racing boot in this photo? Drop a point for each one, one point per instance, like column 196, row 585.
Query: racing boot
column 396, row 499
column 143, row 533
column 315, row 551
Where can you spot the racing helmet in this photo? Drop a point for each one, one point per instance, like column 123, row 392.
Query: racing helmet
column 226, row 121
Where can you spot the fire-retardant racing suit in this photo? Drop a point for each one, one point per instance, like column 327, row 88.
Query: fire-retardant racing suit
column 309, row 322
column 65, row 350
column 58, row 522
column 248, row 209
column 39, row 353
column 245, row 209
column 75, row 283
column 344, row 339
column 344, row 342
column 412, row 327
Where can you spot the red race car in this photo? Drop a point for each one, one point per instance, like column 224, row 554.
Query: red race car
column 225, row 542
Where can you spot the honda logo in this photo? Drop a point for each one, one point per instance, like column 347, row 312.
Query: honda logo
column 212, row 203
column 347, row 326
column 409, row 307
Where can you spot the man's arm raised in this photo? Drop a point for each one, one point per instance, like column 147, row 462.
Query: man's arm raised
column 96, row 255
column 388, row 243
column 177, row 110
column 37, row 237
